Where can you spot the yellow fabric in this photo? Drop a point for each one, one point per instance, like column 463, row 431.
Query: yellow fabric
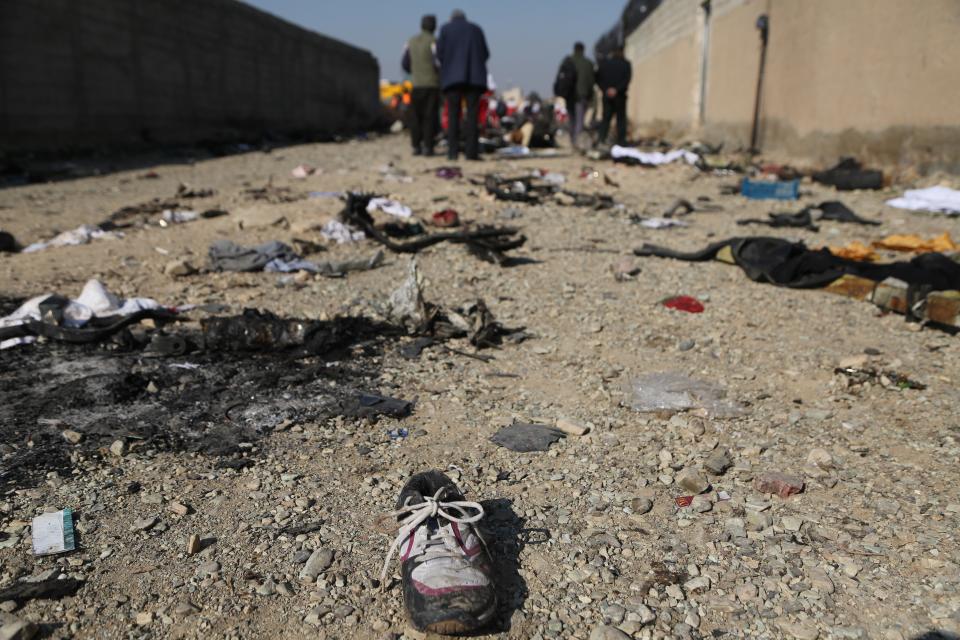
column 915, row 244
column 855, row 250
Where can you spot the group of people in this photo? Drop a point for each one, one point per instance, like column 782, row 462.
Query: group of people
column 453, row 66
column 575, row 82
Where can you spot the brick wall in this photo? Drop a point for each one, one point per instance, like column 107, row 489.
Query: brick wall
column 106, row 72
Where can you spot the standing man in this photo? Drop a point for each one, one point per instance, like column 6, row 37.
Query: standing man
column 583, row 91
column 613, row 78
column 419, row 60
column 462, row 53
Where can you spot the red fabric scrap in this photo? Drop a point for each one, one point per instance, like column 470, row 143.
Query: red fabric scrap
column 684, row 303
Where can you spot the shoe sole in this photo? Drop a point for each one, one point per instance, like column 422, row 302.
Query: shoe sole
column 457, row 627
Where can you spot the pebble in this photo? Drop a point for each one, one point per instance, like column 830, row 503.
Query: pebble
column 318, row 562
column 645, row 614
column 18, row 630
column 697, row 585
column 73, row 437
column 746, row 592
column 268, row 588
column 144, row 618
column 778, row 483
column 692, row 481
column 118, row 448
column 798, row 630
column 791, row 523
column 178, row 508
column 208, row 568
column 606, row 632
column 819, row 580
column 717, row 463
column 193, row 544
column 686, row 345
column 641, row 505
column 145, row 524
column 820, row 458
column 179, row 268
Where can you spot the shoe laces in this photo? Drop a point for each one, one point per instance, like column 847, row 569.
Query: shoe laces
column 432, row 507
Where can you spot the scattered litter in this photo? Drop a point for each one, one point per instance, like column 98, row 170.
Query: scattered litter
column 398, row 434
column 858, row 376
column 625, row 269
column 633, row 156
column 915, row 244
column 658, row 223
column 391, row 207
column 445, row 218
column 684, row 303
column 934, row 199
column 683, row 501
column 273, row 194
column 84, row 234
column 515, row 151
column 523, row 437
column 325, row 194
column 53, row 533
column 302, row 171
column 848, row 175
column 533, row 189
column 177, row 217
column 341, row 233
column 831, row 210
column 722, row 496
column 186, row 191
column 673, row 392
column 449, row 173
column 767, row 190
column 778, row 483
column 8, row 244
column 365, row 405
column 226, row 255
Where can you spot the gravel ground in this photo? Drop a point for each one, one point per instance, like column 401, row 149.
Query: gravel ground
column 588, row 539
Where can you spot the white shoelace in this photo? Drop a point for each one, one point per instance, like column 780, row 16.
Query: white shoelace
column 418, row 513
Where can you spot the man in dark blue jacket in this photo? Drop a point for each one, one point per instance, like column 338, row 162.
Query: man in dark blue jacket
column 613, row 78
column 462, row 53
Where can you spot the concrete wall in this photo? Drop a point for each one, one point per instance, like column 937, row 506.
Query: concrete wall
column 104, row 72
column 878, row 79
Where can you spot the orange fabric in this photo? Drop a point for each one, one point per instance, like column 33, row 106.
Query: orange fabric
column 916, row 244
column 855, row 250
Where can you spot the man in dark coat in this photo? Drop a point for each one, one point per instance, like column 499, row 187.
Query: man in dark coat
column 462, row 53
column 613, row 78
column 579, row 96
column 419, row 60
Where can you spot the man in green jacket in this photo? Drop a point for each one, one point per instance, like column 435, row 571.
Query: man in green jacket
column 584, row 91
column 419, row 60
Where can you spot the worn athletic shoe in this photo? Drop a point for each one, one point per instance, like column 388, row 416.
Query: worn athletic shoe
column 445, row 566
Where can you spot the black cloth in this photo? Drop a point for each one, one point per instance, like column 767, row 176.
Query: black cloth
column 792, row 264
column 424, row 115
column 849, row 174
column 614, row 73
column 830, row 210
column 615, row 106
column 565, row 84
column 455, row 96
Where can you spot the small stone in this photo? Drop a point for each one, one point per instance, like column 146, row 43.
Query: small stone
column 686, row 345
column 645, row 613
column 380, row 625
column 193, row 545
column 316, row 615
column 179, row 268
column 697, row 585
column 641, row 505
column 18, row 630
column 791, row 523
column 717, row 463
column 799, row 630
column 285, row 589
column 318, row 562
column 144, row 618
column 613, row 614
column 178, row 508
column 778, row 483
column 887, row 506
column 692, row 481
column 145, row 524
column 746, row 592
column 342, row 611
column 759, row 520
column 209, row 568
column 118, row 448
column 152, row 387
column 675, row 592
column 8, row 606
column 819, row 580
column 184, row 609
column 73, row 437
column 701, row 504
column 606, row 632
column 736, row 528
column 820, row 458
column 268, row 588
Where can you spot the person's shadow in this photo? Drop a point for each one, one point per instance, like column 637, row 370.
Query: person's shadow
column 937, row 635
column 506, row 536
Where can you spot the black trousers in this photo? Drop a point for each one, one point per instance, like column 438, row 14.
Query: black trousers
column 424, row 116
column 615, row 106
column 455, row 96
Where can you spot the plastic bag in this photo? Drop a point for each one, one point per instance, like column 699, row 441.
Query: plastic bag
column 671, row 391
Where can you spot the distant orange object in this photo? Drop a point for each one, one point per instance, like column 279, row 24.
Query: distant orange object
column 915, row 244
column 855, row 250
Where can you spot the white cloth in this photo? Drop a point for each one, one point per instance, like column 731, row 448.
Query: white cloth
column 94, row 301
column 336, row 230
column 391, row 207
column 937, row 199
column 83, row 234
column 661, row 223
column 654, row 157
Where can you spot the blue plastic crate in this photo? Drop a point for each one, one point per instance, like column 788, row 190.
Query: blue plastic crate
column 763, row 190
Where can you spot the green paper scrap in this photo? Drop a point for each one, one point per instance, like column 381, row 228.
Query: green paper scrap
column 53, row 533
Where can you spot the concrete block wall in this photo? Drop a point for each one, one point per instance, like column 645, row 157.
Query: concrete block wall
column 117, row 72
column 871, row 78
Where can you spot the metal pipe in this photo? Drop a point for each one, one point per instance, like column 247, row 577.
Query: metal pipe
column 763, row 25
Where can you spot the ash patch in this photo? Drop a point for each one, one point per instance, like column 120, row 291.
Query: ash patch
column 216, row 403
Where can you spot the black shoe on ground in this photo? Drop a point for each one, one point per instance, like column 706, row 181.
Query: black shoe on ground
column 446, row 570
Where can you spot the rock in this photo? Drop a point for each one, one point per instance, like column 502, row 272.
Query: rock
column 692, row 481
column 778, row 483
column 184, row 609
column 641, row 505
column 73, row 437
column 316, row 615
column 820, row 458
column 193, row 545
column 268, row 588
column 8, row 606
column 379, row 625
column 645, row 613
column 758, row 520
column 144, row 524
column 342, row 611
column 718, row 463
column 613, row 614
column 318, row 562
column 887, row 507
column 118, row 448
column 178, row 508
column 819, row 580
column 571, row 427
column 746, row 592
column 606, row 632
column 791, row 523
column 675, row 592
column 701, row 504
column 697, row 585
column 179, row 268
column 18, row 630
column 735, row 527
column 799, row 630
column 686, row 345
column 144, row 618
